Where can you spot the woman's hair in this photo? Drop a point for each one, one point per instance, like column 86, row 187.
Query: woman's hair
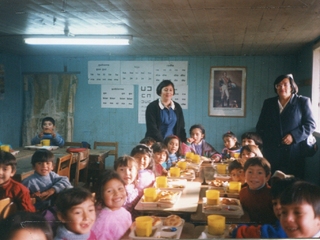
column 252, row 149
column 203, row 131
column 104, row 178
column 160, row 147
column 72, row 197
column 24, row 220
column 258, row 161
column 144, row 149
column 293, row 84
column 42, row 155
column 300, row 192
column 123, row 162
column 230, row 134
column 254, row 136
column 8, row 159
column 163, row 84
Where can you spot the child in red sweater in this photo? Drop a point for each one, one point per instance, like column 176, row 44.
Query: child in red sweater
column 9, row 188
column 256, row 197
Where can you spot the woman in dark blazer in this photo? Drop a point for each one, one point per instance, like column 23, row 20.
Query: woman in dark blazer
column 164, row 117
column 285, row 122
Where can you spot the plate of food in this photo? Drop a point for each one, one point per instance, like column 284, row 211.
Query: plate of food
column 35, row 147
column 177, row 184
column 229, row 207
column 188, row 174
column 162, row 228
column 165, row 199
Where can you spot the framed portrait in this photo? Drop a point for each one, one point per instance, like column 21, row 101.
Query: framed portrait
column 227, row 91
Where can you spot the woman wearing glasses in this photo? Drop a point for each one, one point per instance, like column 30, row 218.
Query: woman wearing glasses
column 285, row 122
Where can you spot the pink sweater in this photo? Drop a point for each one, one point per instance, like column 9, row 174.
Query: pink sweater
column 112, row 225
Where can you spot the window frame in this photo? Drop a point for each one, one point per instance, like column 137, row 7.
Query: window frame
column 315, row 87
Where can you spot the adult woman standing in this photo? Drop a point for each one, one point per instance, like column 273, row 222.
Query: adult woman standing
column 164, row 117
column 285, row 122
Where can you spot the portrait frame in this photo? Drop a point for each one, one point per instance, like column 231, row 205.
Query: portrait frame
column 227, row 91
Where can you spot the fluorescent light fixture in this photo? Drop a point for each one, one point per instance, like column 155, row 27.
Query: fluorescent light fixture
column 78, row 40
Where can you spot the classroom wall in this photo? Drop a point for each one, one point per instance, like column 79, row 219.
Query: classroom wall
column 95, row 123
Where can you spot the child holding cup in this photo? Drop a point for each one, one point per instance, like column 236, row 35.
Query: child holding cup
column 232, row 146
column 48, row 133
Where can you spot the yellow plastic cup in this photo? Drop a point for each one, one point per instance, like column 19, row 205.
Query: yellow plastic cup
column 45, row 142
column 213, row 197
column 143, row 226
column 161, row 181
column 221, row 168
column 182, row 165
column 175, row 172
column 216, row 225
column 5, row 148
column 234, row 187
column 236, row 155
column 196, row 158
column 150, row 194
column 189, row 155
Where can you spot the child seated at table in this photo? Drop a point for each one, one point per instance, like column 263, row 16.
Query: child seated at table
column 44, row 183
column 149, row 141
column 48, row 132
column 146, row 174
column 256, row 197
column 160, row 156
column 231, row 144
column 268, row 230
column 9, row 188
column 25, row 226
column 249, row 151
column 251, row 138
column 113, row 220
column 172, row 142
column 198, row 144
column 127, row 168
column 76, row 211
column 236, row 172
column 300, row 210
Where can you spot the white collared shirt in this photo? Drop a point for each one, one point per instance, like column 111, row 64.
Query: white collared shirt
column 282, row 107
column 162, row 106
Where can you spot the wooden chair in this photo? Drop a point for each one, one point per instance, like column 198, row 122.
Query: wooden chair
column 82, row 167
column 63, row 165
column 7, row 208
column 110, row 145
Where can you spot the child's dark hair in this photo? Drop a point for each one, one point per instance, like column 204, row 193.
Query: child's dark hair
column 252, row 149
column 203, row 131
column 302, row 191
column 258, row 161
column 230, row 134
column 48, row 119
column 234, row 165
column 24, row 220
column 72, row 197
column 149, row 141
column 123, row 162
column 8, row 159
column 254, row 136
column 42, row 155
column 106, row 177
column 160, row 147
column 169, row 138
column 278, row 185
column 144, row 149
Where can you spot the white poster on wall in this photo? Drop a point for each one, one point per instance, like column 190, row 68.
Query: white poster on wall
column 146, row 96
column 181, row 95
column 117, row 96
column 104, row 72
column 136, row 72
column 176, row 71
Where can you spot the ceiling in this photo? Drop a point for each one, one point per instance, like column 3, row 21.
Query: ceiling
column 164, row 27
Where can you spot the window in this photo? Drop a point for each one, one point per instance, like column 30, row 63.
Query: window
column 315, row 96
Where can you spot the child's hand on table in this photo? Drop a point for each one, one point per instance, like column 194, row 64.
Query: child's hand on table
column 46, row 194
